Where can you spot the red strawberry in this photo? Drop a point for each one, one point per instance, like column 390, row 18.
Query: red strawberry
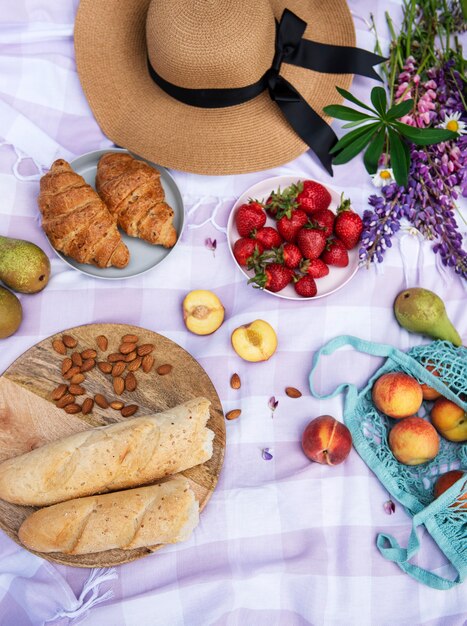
column 311, row 242
column 335, row 253
column 306, row 287
column 290, row 255
column 289, row 226
column 268, row 236
column 245, row 248
column 348, row 225
column 273, row 277
column 249, row 217
column 313, row 197
column 324, row 218
column 283, row 202
column 315, row 268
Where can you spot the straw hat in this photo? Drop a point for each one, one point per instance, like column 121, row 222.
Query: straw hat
column 201, row 44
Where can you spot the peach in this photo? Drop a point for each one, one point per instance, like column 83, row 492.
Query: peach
column 255, row 342
column 397, row 394
column 414, row 441
column 203, row 312
column 449, row 420
column 326, row 441
column 447, row 480
column 428, row 392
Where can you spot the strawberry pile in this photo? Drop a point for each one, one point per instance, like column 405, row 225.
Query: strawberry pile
column 308, row 237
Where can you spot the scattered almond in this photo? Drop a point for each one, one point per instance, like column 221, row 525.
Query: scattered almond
column 76, row 390
column 130, row 382
column 114, row 357
column 72, row 408
column 131, row 356
column 126, row 348
column 147, row 363
column 134, row 365
column 162, row 370
column 130, row 339
column 66, row 364
column 59, row 392
column 71, row 372
column 117, row 405
column 77, row 359
column 146, row 348
column 102, row 343
column 118, row 368
column 88, row 364
column 101, row 401
column 77, row 379
column 59, row 346
column 292, row 392
column 69, row 341
column 88, row 354
column 87, row 406
column 119, row 385
column 235, row 381
column 129, row 410
column 105, row 367
column 233, row 415
column 64, row 400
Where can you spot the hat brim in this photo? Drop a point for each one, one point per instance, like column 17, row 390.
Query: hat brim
column 136, row 114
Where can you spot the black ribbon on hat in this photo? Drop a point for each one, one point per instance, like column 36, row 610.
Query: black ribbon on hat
column 293, row 49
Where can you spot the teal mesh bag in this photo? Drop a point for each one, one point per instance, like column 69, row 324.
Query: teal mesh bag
column 412, row 486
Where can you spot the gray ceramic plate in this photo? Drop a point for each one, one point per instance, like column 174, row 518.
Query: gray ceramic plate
column 143, row 256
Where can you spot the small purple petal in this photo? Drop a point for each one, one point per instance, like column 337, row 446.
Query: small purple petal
column 272, row 404
column 211, row 244
column 389, row 507
column 266, row 454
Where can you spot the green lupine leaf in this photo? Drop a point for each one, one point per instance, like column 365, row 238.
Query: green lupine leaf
column 373, row 152
column 352, row 124
column 355, row 147
column 424, row 136
column 398, row 158
column 345, row 113
column 379, row 100
column 354, row 135
column 351, row 98
column 399, row 110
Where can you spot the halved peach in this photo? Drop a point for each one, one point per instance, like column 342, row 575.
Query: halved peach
column 255, row 342
column 203, row 312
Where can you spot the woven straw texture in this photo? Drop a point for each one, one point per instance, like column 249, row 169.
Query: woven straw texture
column 200, row 43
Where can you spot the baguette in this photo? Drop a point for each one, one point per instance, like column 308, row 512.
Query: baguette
column 109, row 458
column 165, row 513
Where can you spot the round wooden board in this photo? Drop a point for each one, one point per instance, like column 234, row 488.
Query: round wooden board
column 29, row 418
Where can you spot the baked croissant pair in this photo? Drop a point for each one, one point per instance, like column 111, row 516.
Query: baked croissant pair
column 83, row 224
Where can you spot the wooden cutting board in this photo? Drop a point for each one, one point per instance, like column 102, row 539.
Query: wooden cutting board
column 29, row 418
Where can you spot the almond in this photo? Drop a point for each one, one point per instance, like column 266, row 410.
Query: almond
column 119, row 385
column 88, row 364
column 117, row 405
column 66, row 364
column 118, row 368
column 102, row 343
column 233, row 415
column 146, row 348
column 147, row 363
column 131, row 356
column 162, row 370
column 87, row 406
column 59, row 346
column 69, row 341
column 114, row 357
column 235, row 381
column 58, row 392
column 88, row 354
column 101, row 401
column 77, row 379
column 71, row 372
column 76, row 390
column 72, row 408
column 130, row 382
column 126, row 348
column 292, row 392
column 130, row 339
column 77, row 359
column 64, row 400
column 104, row 367
column 129, row 410
column 134, row 365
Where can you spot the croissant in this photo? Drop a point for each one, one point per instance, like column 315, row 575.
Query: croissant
column 134, row 195
column 76, row 221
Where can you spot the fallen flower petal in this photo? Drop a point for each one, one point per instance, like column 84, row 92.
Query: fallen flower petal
column 389, row 507
column 266, row 454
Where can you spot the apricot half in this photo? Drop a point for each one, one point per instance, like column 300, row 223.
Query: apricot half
column 255, row 342
column 203, row 312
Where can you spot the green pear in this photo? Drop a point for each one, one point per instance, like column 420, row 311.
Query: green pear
column 11, row 313
column 24, row 266
column 422, row 311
